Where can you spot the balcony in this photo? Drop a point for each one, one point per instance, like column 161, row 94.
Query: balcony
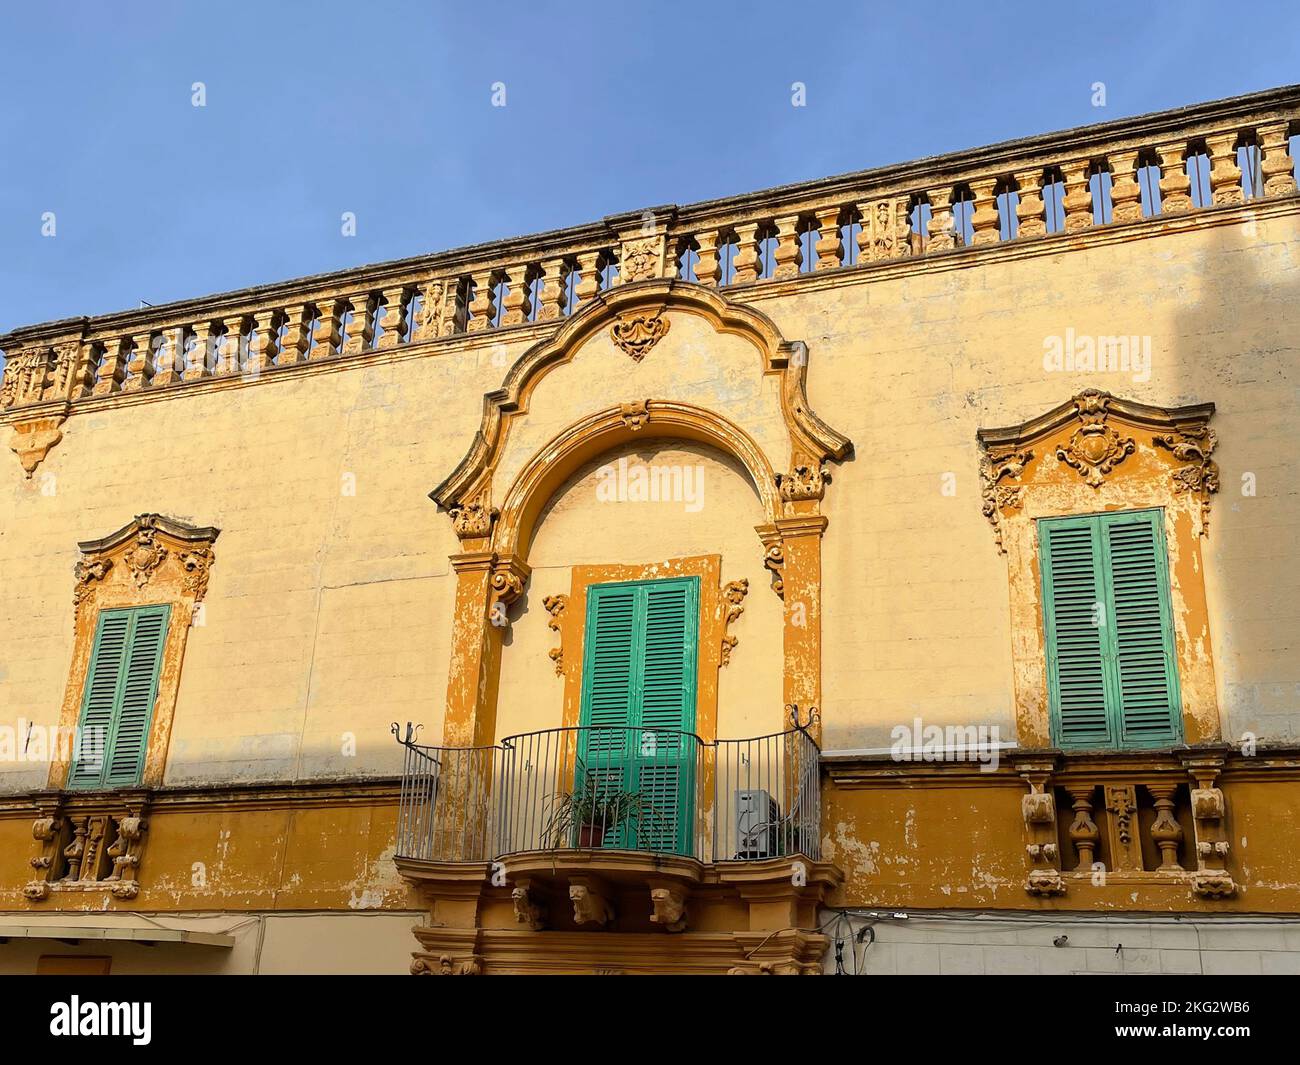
column 652, row 791
column 645, row 832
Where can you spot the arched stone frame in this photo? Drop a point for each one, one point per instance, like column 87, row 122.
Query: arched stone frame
column 150, row 560
column 495, row 523
column 1096, row 453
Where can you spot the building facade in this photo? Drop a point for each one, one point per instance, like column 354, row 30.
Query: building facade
column 700, row 590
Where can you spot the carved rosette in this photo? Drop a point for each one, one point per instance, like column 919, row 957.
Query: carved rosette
column 636, row 334
column 1095, row 448
column 733, row 595
column 555, row 606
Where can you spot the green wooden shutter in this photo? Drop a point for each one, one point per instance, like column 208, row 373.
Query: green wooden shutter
column 1111, row 672
column 1146, row 674
column 1076, row 668
column 121, row 687
column 639, row 673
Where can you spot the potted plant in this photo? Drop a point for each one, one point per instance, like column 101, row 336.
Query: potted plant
column 594, row 809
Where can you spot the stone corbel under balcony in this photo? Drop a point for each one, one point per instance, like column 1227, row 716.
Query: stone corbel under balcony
column 620, row 912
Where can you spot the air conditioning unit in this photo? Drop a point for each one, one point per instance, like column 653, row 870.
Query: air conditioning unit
column 757, row 821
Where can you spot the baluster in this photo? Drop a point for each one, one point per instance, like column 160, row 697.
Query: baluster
column 1276, row 164
column 552, row 294
column 1166, row 832
column 1175, row 187
column 196, row 362
column 82, row 379
column 139, row 364
column 228, row 362
column 297, row 336
column 1125, row 192
column 746, row 262
column 483, row 308
column 329, row 330
column 516, row 305
column 789, row 256
column 1030, row 210
column 394, row 319
column 830, row 244
column 1077, row 200
column 359, row 329
column 984, row 219
column 588, row 286
column 1083, row 830
column 708, row 267
column 262, row 354
column 108, row 377
column 1225, row 174
column 169, row 361
column 941, row 236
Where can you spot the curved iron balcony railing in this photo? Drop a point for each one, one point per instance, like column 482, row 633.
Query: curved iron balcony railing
column 592, row 788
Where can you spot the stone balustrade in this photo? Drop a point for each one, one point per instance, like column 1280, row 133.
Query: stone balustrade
column 1232, row 154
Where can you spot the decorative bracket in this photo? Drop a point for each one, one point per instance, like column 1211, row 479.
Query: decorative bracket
column 555, row 606
column 528, row 911
column 668, row 904
column 733, row 593
column 591, row 901
column 1038, row 810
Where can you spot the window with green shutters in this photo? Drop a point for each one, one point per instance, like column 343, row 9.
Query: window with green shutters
column 639, row 673
column 117, row 704
column 1111, row 665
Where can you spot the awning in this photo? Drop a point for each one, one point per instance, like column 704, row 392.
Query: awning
column 110, row 927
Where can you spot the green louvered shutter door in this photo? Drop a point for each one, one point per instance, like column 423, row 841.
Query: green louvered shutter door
column 1148, row 703
column 139, row 689
column 99, row 700
column 1074, row 599
column 607, row 689
column 121, row 686
column 665, row 762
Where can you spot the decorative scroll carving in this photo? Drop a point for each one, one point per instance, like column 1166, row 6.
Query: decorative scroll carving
column 590, row 903
column 507, row 583
column 635, row 414
column 98, row 850
column 803, row 482
column 668, row 905
column 636, row 334
column 1209, row 818
column 449, row 965
column 1095, row 448
column 26, row 374
column 555, row 606
column 998, row 497
column 1193, row 444
column 733, row 593
column 1038, row 810
column 774, row 560
column 1121, row 804
column 474, row 520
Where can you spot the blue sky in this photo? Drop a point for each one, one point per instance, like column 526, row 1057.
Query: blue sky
column 385, row 110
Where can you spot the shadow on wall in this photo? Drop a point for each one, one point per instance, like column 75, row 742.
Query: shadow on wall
column 1235, row 344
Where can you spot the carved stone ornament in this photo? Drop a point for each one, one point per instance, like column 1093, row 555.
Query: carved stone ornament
column 1193, row 445
column 25, row 376
column 635, row 414
column 1095, row 448
column 668, row 907
column 999, row 497
column 1038, row 811
column 447, row 965
column 98, row 850
column 473, row 520
column 636, row 334
column 774, row 560
column 590, row 905
column 142, row 550
column 733, row 594
column 33, row 440
column 527, row 911
column 803, row 482
column 640, row 259
column 555, row 606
